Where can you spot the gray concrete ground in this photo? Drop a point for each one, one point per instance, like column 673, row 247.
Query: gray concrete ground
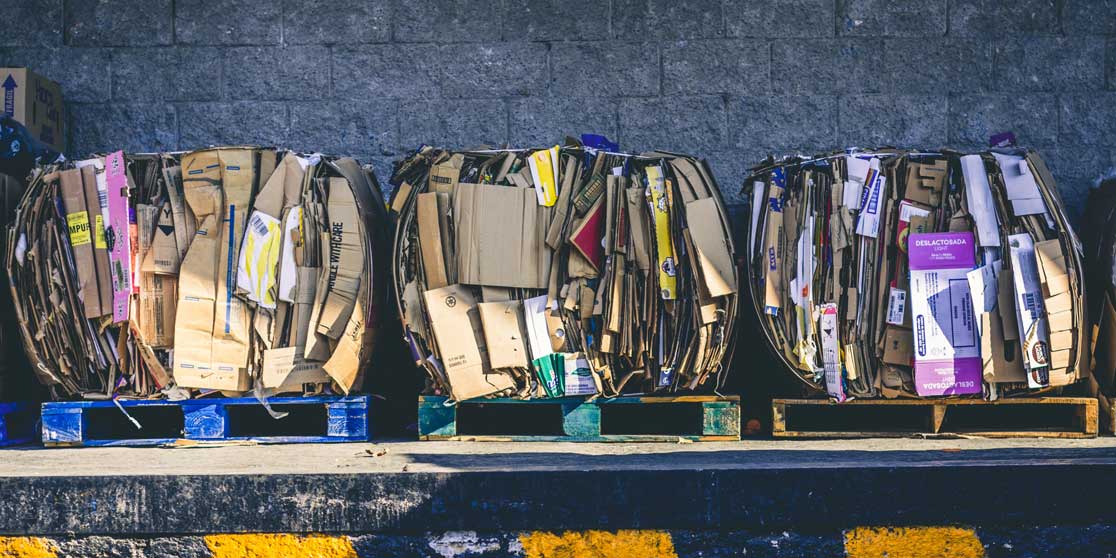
column 448, row 457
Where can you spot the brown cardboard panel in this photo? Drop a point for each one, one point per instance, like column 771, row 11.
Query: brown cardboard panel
column 346, row 259
column 36, row 102
column 898, row 346
column 81, row 240
column 456, row 322
column 718, row 271
column 285, row 370
column 163, row 254
column 430, row 241
column 499, row 237
column 504, row 333
column 100, row 246
column 1002, row 360
column 232, row 317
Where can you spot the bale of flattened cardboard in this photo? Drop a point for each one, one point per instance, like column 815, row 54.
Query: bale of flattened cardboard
column 229, row 268
column 1099, row 237
column 917, row 274
column 566, row 271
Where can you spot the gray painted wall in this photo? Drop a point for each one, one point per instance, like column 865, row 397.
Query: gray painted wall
column 731, row 80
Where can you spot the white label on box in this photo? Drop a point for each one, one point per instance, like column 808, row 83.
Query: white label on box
column 830, row 354
column 896, row 306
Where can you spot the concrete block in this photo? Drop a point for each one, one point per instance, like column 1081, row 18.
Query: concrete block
column 176, row 547
column 101, row 546
column 166, row 74
column 692, row 125
column 80, row 71
column 730, row 168
column 355, row 128
column 641, row 20
column 336, row 22
column 119, row 22
column 893, row 120
column 1094, row 17
column 973, row 119
column 780, row 18
column 446, row 21
column 1110, row 65
column 993, row 18
column 704, row 543
column 716, row 66
column 131, row 127
column 937, row 65
column 493, row 69
column 276, row 73
column 397, row 71
column 556, row 20
column 780, row 123
column 453, row 124
column 891, row 18
column 1049, row 64
column 1077, row 168
column 229, row 22
column 38, row 23
column 1088, row 119
column 830, row 66
column 546, row 121
column 604, row 69
column 247, row 122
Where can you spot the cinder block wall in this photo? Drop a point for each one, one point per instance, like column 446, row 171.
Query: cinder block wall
column 731, row 80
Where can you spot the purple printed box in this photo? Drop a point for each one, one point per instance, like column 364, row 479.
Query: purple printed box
column 947, row 345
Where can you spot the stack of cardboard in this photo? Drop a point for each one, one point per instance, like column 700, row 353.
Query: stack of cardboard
column 572, row 270
column 897, row 273
column 1098, row 232
column 232, row 269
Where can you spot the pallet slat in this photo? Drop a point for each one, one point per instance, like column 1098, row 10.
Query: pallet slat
column 820, row 418
column 714, row 418
column 100, row 423
column 17, row 423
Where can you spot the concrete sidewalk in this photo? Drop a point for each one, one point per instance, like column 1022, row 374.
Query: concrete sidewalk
column 458, row 457
column 935, row 497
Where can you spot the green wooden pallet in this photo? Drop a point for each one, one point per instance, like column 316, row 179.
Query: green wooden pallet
column 699, row 418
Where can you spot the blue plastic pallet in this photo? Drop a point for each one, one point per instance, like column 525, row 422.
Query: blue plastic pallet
column 100, row 423
column 17, row 423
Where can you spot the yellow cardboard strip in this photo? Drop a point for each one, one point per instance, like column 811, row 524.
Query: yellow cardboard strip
column 660, row 207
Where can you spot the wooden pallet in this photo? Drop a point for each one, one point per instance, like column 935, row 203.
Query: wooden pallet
column 1042, row 417
column 313, row 419
column 1107, row 413
column 573, row 419
column 17, row 423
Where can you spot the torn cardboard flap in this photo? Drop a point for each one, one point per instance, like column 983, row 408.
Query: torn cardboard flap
column 718, row 271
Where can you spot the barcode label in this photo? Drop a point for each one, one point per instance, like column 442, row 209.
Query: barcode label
column 259, row 226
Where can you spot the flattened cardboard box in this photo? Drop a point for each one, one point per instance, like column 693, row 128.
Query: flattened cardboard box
column 35, row 102
column 455, row 320
column 508, row 251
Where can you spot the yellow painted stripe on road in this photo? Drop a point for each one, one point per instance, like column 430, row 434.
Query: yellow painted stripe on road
column 26, row 547
column 279, row 546
column 598, row 544
column 912, row 542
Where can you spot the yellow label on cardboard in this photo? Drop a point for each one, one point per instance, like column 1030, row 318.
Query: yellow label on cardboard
column 660, row 207
column 78, row 223
column 99, row 232
column 542, row 165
